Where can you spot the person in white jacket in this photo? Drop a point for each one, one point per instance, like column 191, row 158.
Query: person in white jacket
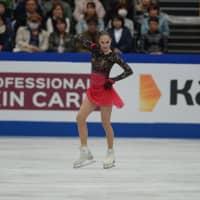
column 31, row 38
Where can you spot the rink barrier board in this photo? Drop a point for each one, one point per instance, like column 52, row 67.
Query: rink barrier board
column 63, row 129
column 85, row 57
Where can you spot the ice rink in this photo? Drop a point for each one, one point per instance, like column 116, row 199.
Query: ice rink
column 146, row 169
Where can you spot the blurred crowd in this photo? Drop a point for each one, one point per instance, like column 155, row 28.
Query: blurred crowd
column 50, row 25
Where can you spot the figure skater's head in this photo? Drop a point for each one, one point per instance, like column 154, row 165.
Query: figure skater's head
column 105, row 42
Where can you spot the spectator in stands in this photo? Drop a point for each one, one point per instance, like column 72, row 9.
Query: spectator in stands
column 92, row 34
column 6, row 20
column 9, row 5
column 32, row 38
column 154, row 42
column 90, row 12
column 105, row 4
column 59, row 40
column 71, row 3
column 57, row 12
column 81, row 6
column 15, row 3
column 4, row 14
column 24, row 10
column 142, row 6
column 122, row 40
column 114, row 6
column 50, row 4
column 7, row 11
column 154, row 11
column 5, row 36
column 127, row 22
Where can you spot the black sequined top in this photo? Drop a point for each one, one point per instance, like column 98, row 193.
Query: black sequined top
column 103, row 63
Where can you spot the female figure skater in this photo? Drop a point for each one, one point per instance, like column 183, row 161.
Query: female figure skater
column 102, row 94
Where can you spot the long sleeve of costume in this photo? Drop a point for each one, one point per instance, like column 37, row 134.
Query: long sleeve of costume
column 127, row 69
column 103, row 63
column 86, row 43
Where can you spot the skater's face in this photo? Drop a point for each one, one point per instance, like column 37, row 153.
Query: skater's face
column 105, row 42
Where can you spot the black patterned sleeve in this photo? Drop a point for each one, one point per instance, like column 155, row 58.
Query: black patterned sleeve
column 127, row 69
column 87, row 44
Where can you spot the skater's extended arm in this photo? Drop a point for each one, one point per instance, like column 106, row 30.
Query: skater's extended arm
column 92, row 46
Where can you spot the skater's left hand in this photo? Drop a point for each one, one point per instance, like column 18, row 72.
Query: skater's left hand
column 108, row 84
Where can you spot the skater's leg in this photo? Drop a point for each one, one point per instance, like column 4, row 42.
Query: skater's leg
column 105, row 118
column 86, row 156
column 86, row 108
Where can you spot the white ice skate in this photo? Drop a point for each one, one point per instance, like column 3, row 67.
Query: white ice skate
column 109, row 160
column 85, row 158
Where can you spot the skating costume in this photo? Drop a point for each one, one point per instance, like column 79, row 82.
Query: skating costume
column 101, row 91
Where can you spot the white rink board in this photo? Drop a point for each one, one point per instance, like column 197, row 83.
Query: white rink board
column 129, row 90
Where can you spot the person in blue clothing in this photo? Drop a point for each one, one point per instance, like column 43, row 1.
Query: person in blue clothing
column 163, row 26
column 154, row 42
column 122, row 40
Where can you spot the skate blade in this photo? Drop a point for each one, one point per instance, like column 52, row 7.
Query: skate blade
column 86, row 163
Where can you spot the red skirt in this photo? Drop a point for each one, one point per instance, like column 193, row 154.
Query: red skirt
column 100, row 96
